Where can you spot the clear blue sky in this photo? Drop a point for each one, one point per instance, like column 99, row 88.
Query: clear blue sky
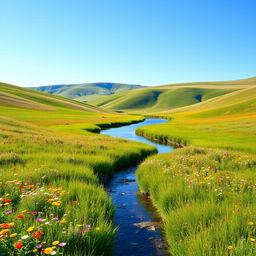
column 147, row 42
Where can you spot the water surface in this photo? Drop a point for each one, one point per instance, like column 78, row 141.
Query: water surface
column 131, row 207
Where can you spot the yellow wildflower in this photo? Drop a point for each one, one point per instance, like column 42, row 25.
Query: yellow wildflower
column 55, row 242
column 13, row 235
column 30, row 229
column 48, row 250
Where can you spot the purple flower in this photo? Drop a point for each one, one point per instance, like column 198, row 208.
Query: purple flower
column 38, row 219
column 8, row 212
column 83, row 231
column 53, row 219
column 62, row 244
column 38, row 246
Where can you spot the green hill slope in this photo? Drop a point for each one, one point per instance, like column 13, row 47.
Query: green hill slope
column 54, row 111
column 226, row 121
column 170, row 97
column 86, row 91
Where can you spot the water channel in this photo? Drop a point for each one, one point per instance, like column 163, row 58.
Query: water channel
column 133, row 209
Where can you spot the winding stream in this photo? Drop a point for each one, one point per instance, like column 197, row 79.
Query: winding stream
column 133, row 208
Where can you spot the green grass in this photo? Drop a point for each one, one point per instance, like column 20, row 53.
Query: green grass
column 170, row 97
column 206, row 198
column 229, row 126
column 54, row 167
column 205, row 192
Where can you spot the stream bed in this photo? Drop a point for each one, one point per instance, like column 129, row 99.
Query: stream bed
column 139, row 230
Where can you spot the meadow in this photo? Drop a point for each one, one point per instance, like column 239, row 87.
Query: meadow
column 206, row 198
column 53, row 170
column 205, row 191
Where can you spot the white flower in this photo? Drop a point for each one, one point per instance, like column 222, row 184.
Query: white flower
column 53, row 253
column 25, row 237
column 47, row 223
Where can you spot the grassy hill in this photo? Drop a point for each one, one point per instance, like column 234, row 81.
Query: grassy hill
column 226, row 121
column 86, row 91
column 169, row 97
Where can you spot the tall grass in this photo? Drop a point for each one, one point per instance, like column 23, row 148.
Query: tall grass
column 52, row 200
column 206, row 198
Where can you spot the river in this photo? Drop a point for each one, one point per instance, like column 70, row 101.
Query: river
column 132, row 208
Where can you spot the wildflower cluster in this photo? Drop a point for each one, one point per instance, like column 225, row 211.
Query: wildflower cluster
column 29, row 232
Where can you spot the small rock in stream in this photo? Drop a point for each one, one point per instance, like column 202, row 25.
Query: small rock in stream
column 149, row 225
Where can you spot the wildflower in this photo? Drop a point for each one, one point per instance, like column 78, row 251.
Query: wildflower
column 18, row 245
column 252, row 239
column 30, row 229
column 38, row 246
column 230, row 247
column 48, row 250
column 250, row 223
column 53, row 253
column 24, row 237
column 7, row 225
column 74, row 202
column 56, row 203
column 20, row 216
column 79, row 225
column 38, row 219
column 62, row 244
column 54, row 219
column 4, row 231
column 13, row 235
column 97, row 228
column 35, row 250
column 8, row 212
column 55, row 242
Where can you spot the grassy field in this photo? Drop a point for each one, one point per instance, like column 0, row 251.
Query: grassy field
column 226, row 121
column 170, row 97
column 52, row 170
column 206, row 198
column 205, row 192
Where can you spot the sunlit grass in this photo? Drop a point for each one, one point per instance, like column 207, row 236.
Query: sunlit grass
column 206, row 198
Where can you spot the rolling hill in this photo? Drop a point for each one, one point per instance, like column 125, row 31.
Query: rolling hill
column 56, row 112
column 170, row 97
column 86, row 91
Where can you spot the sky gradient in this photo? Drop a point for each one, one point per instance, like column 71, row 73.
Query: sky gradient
column 148, row 42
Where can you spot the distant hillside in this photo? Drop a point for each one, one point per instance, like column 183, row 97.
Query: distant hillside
column 171, row 97
column 86, row 91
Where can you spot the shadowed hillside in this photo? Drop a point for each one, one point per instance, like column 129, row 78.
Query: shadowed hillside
column 169, row 97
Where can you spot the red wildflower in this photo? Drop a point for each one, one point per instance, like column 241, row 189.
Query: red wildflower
column 20, row 216
column 18, row 245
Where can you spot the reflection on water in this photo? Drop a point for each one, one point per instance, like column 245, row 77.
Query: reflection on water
column 131, row 207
